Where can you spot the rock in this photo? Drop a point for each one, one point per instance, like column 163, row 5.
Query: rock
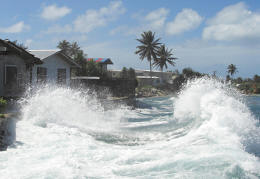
column 7, row 132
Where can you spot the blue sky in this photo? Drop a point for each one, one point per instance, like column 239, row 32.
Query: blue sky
column 205, row 35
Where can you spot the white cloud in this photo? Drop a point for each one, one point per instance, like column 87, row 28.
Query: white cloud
column 97, row 18
column 59, row 29
column 53, row 12
column 234, row 22
column 16, row 28
column 186, row 20
column 156, row 19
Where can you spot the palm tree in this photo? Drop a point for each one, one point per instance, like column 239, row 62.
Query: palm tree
column 65, row 46
column 164, row 56
column 74, row 48
column 232, row 69
column 148, row 48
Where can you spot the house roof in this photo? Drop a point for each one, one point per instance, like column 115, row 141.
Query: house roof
column 101, row 60
column 12, row 47
column 43, row 54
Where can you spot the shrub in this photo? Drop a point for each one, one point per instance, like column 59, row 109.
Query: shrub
column 3, row 102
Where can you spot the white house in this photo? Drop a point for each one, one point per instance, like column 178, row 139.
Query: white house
column 56, row 67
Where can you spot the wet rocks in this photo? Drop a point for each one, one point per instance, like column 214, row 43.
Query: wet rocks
column 7, row 131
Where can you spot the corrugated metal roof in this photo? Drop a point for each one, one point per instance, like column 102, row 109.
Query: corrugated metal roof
column 101, row 60
column 42, row 54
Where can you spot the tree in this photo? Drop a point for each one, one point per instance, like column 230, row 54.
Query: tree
column 80, row 59
column 21, row 45
column 93, row 69
column 131, row 74
column 228, row 78
column 73, row 50
column 189, row 73
column 65, row 46
column 124, row 73
column 232, row 69
column 239, row 80
column 256, row 78
column 164, row 56
column 148, row 48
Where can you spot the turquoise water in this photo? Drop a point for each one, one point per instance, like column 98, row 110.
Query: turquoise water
column 208, row 130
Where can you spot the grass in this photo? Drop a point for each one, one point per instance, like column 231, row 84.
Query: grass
column 2, row 116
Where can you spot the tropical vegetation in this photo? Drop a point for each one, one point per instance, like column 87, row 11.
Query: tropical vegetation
column 128, row 73
column 149, row 47
column 164, row 56
column 3, row 103
column 152, row 49
column 232, row 69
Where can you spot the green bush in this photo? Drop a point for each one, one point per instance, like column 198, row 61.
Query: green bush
column 3, row 102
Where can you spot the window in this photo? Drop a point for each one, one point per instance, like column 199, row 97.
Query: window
column 10, row 76
column 41, row 75
column 61, row 76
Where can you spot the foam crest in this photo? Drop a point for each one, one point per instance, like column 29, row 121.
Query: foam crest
column 215, row 109
column 64, row 106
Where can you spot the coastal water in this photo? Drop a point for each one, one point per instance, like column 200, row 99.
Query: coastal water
column 209, row 130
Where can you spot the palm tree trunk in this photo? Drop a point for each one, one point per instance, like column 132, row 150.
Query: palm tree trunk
column 150, row 67
column 161, row 76
column 151, row 79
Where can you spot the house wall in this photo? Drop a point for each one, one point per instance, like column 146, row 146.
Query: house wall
column 22, row 75
column 148, row 81
column 52, row 63
column 114, row 73
column 164, row 77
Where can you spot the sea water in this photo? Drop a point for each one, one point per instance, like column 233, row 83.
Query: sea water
column 208, row 130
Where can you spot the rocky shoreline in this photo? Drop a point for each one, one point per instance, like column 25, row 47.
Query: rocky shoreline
column 153, row 92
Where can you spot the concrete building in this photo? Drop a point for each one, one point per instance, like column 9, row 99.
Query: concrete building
column 162, row 77
column 15, row 69
column 144, row 77
column 55, row 69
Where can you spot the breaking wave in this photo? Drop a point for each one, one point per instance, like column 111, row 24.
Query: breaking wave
column 207, row 131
